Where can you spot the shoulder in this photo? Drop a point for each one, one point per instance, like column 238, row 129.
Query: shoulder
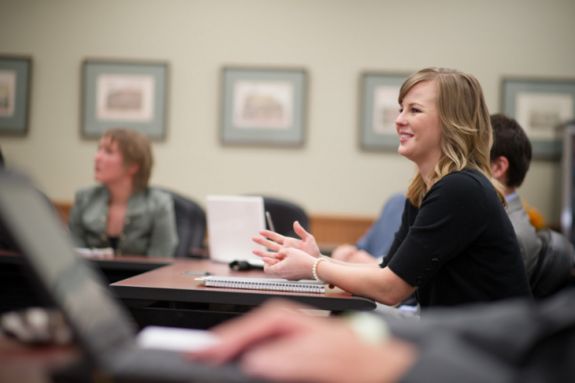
column 464, row 181
column 515, row 206
column 159, row 198
column 464, row 178
column 91, row 193
column 468, row 188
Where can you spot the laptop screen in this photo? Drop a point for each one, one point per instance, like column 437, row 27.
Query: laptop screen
column 97, row 320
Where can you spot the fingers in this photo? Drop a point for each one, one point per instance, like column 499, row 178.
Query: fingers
column 274, row 241
column 273, row 236
column 300, row 231
column 268, row 254
column 294, row 242
column 274, row 246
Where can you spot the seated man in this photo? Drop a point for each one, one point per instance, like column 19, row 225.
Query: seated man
column 510, row 160
column 375, row 244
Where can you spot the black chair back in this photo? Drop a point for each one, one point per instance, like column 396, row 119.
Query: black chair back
column 190, row 225
column 284, row 213
column 554, row 265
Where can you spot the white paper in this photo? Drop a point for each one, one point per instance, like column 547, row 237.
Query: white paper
column 104, row 253
column 175, row 339
column 232, row 223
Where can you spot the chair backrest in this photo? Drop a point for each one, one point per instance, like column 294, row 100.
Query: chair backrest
column 284, row 213
column 554, row 264
column 190, row 225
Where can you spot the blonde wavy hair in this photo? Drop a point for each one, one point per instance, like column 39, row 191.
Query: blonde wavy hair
column 466, row 135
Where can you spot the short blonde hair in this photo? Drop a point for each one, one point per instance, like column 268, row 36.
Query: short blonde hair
column 136, row 150
column 466, row 134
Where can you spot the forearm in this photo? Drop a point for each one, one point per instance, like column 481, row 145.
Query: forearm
column 370, row 265
column 367, row 280
column 351, row 254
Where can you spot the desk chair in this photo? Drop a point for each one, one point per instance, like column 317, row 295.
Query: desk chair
column 555, row 262
column 190, row 225
column 284, row 213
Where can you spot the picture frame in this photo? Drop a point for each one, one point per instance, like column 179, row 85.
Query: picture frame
column 263, row 106
column 128, row 94
column 542, row 107
column 378, row 109
column 15, row 89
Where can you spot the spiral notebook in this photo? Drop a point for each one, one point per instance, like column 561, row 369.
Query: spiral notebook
column 273, row 284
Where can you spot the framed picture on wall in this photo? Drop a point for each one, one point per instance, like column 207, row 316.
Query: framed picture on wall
column 129, row 94
column 15, row 85
column 378, row 109
column 263, row 106
column 542, row 107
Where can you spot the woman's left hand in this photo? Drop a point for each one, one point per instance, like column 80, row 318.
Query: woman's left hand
column 287, row 263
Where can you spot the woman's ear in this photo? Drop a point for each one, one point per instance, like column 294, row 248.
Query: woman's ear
column 133, row 169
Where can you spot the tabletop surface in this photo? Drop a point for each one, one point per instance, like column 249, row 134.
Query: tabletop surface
column 181, row 276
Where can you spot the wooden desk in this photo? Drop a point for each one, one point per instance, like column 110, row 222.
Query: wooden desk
column 124, row 266
column 170, row 296
column 18, row 291
column 33, row 364
column 118, row 268
column 160, row 291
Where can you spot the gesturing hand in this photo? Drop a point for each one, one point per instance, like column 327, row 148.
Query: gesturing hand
column 274, row 241
column 286, row 257
column 288, row 263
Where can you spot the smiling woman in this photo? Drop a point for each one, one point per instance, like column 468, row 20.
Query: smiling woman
column 455, row 244
column 123, row 212
column 419, row 128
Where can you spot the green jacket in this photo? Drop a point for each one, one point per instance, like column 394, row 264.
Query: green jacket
column 149, row 226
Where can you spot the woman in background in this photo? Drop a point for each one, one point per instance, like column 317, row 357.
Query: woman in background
column 123, row 212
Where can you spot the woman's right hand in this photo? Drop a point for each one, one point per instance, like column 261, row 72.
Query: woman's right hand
column 275, row 241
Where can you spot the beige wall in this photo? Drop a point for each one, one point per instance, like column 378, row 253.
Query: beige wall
column 333, row 39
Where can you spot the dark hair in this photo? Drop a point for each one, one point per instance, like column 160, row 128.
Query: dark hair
column 510, row 141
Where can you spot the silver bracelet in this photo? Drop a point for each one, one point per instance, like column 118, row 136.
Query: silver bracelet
column 317, row 261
